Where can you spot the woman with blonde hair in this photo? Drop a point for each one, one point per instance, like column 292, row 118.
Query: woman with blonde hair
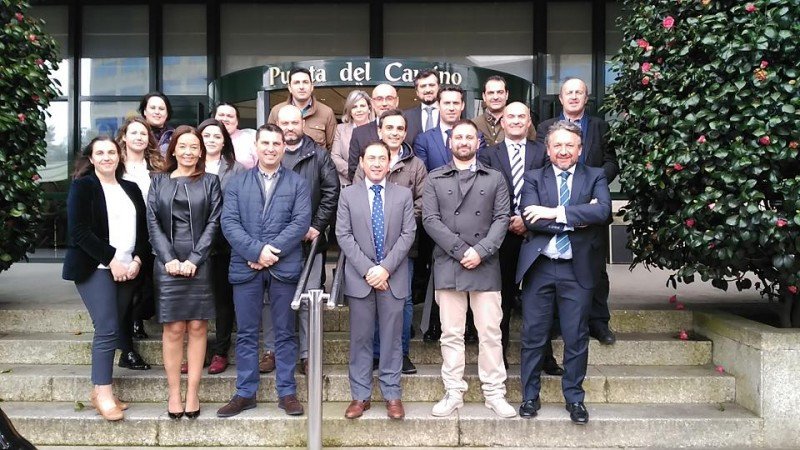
column 357, row 112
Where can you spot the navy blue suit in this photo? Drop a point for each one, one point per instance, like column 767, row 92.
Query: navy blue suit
column 362, row 136
column 596, row 153
column 567, row 283
column 431, row 148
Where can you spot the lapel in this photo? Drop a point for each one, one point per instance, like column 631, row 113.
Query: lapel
column 589, row 138
column 578, row 181
column 388, row 212
column 440, row 144
column 530, row 154
column 505, row 162
column 99, row 205
column 362, row 204
column 550, row 187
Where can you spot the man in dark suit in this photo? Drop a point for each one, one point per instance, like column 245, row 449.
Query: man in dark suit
column 513, row 156
column 375, row 227
column 384, row 98
column 424, row 116
column 596, row 153
column 565, row 206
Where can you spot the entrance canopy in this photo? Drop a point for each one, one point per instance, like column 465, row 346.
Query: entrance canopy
column 257, row 83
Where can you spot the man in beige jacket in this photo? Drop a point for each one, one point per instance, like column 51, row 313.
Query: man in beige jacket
column 320, row 123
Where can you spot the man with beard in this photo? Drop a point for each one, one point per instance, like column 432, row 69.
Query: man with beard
column 315, row 165
column 384, row 98
column 465, row 212
column 319, row 123
column 425, row 116
column 495, row 98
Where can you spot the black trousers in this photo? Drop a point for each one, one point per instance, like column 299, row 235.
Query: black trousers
column 141, row 307
column 223, row 301
column 599, row 314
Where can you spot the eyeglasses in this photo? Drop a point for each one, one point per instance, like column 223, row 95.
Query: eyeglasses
column 389, row 98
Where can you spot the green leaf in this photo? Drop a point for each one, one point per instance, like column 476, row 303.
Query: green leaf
column 788, row 109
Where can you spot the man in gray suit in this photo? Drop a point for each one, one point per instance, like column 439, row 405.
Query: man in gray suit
column 375, row 227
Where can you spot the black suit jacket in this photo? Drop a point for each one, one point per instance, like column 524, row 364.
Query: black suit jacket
column 362, row 136
column 87, row 227
column 496, row 157
column 414, row 125
column 596, row 152
column 586, row 218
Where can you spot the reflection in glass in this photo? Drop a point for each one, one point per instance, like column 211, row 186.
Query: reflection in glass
column 57, row 138
column 184, row 66
column 295, row 33
column 104, row 118
column 115, row 50
column 614, row 12
column 56, row 24
column 491, row 35
column 569, row 43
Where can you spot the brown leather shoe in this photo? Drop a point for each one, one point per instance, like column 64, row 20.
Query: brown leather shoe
column 267, row 363
column 236, row 406
column 356, row 408
column 111, row 414
column 291, row 405
column 394, row 409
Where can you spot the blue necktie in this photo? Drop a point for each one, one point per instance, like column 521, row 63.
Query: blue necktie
column 377, row 221
column 562, row 239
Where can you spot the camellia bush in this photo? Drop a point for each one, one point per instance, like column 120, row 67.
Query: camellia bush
column 27, row 57
column 707, row 125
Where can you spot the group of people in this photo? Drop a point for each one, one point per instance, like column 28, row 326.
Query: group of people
column 215, row 223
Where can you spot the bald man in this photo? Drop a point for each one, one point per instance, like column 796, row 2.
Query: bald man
column 384, row 98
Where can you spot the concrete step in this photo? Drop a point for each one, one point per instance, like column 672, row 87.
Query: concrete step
column 76, row 319
column 603, row 384
column 611, row 425
column 642, row 349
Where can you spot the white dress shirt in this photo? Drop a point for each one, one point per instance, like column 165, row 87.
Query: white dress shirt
column 561, row 217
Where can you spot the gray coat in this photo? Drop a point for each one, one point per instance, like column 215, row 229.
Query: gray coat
column 354, row 233
column 478, row 220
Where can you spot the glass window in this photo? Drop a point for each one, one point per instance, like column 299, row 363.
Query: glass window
column 56, row 24
column 104, row 118
column 184, row 66
column 492, row 35
column 115, row 50
column 56, row 162
column 253, row 35
column 569, row 43
column 614, row 12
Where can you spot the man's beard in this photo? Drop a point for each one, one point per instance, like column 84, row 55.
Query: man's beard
column 294, row 141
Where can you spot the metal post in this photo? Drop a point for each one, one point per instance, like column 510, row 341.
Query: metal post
column 314, row 298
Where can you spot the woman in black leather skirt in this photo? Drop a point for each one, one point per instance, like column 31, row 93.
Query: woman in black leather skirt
column 183, row 209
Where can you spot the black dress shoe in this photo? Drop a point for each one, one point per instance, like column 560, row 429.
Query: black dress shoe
column 132, row 360
column 551, row 367
column 578, row 413
column 529, row 408
column 138, row 330
column 408, row 367
column 432, row 335
column 604, row 335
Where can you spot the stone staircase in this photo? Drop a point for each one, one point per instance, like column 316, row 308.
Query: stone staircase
column 650, row 389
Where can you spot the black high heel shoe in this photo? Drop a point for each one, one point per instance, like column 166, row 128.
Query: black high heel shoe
column 176, row 415
column 192, row 414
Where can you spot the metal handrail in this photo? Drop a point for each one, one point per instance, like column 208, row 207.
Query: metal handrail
column 338, row 281
column 303, row 281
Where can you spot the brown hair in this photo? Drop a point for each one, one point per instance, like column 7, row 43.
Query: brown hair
column 152, row 155
column 171, row 163
column 84, row 166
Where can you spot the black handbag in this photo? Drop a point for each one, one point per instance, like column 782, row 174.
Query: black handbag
column 10, row 439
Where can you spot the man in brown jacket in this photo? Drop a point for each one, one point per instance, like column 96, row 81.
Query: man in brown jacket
column 319, row 120
column 495, row 98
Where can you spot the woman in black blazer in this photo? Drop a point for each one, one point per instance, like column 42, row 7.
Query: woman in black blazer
column 107, row 234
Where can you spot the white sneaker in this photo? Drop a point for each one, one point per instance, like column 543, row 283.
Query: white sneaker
column 501, row 407
column 452, row 401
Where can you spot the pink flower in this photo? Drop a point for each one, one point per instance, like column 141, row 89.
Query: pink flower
column 660, row 60
column 35, row 98
column 36, row 177
column 678, row 167
column 689, row 222
column 792, row 289
column 781, row 222
column 719, row 369
column 764, row 64
column 673, row 299
column 39, row 62
column 668, row 22
column 711, row 245
column 19, row 17
column 683, row 335
column 764, row 140
column 32, row 37
column 21, row 117
column 793, row 145
column 642, row 43
column 701, row 139
column 646, row 67
column 751, row 8
column 680, row 306
column 649, row 48
column 646, row 81
column 712, row 205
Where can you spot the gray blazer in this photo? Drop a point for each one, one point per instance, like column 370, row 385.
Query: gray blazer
column 354, row 233
column 478, row 219
column 226, row 173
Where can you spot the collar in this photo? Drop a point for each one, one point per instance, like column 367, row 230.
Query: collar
column 268, row 176
column 580, row 119
column 490, row 118
column 508, row 142
column 370, row 183
column 558, row 171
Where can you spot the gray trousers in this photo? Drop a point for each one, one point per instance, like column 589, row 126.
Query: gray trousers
column 314, row 282
column 389, row 312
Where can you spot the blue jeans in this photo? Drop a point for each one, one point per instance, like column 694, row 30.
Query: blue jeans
column 248, row 299
column 408, row 316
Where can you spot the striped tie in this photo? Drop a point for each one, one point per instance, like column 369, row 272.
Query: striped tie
column 562, row 239
column 516, row 174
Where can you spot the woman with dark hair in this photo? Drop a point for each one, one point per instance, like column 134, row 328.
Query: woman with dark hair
column 141, row 157
column 157, row 110
column 220, row 160
column 183, row 209
column 107, row 236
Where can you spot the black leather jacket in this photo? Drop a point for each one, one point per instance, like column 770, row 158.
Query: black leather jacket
column 205, row 203
column 316, row 167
